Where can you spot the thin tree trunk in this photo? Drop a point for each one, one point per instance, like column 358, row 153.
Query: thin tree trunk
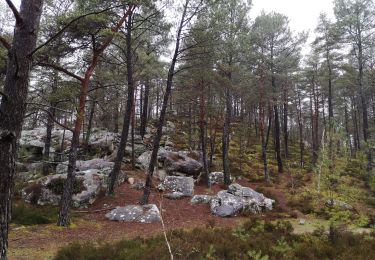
column 145, row 108
column 202, row 128
column 91, row 118
column 226, row 138
column 168, row 90
column 285, row 114
column 66, row 199
column 113, row 176
column 132, row 132
column 277, row 129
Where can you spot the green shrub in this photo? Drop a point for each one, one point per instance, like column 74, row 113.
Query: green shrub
column 24, row 214
column 57, row 186
column 252, row 240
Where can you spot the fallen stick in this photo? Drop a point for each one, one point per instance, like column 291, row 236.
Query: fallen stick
column 92, row 211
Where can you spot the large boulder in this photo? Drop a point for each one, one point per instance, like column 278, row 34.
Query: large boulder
column 180, row 162
column 144, row 158
column 185, row 185
column 239, row 199
column 135, row 213
column 216, row 178
column 97, row 163
column 48, row 190
column 201, row 199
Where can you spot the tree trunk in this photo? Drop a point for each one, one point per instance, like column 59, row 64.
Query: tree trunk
column 47, row 143
column 13, row 106
column 226, row 138
column 145, row 108
column 285, row 122
column 168, row 90
column 128, row 110
column 89, row 125
column 277, row 128
column 202, row 128
column 64, row 218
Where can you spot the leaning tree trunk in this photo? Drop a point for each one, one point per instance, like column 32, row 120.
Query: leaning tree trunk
column 13, row 105
column 159, row 132
column 128, row 110
column 66, row 199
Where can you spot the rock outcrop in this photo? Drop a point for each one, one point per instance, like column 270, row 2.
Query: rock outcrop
column 135, row 213
column 239, row 199
column 184, row 185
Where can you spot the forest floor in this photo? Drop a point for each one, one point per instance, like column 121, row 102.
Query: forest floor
column 43, row 241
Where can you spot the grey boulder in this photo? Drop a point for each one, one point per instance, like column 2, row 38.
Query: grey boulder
column 201, row 199
column 135, row 213
column 180, row 162
column 185, row 185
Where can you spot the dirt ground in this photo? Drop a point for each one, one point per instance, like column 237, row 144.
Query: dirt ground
column 42, row 241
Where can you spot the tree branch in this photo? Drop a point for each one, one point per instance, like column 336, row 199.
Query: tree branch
column 5, row 43
column 17, row 15
column 67, row 26
column 54, row 120
column 56, row 67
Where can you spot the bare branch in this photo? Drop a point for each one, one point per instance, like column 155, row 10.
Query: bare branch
column 54, row 120
column 17, row 15
column 56, row 67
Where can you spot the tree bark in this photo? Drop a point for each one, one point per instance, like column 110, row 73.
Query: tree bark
column 226, row 136
column 145, row 108
column 66, row 199
column 202, row 128
column 168, row 90
column 13, row 106
column 113, row 176
column 277, row 128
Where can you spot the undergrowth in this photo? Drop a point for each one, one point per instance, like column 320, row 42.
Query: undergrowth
column 252, row 240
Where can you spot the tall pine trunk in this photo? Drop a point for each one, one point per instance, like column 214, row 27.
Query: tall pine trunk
column 168, row 90
column 145, row 109
column 13, row 106
column 113, row 176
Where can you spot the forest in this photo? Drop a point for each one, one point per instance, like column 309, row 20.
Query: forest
column 190, row 129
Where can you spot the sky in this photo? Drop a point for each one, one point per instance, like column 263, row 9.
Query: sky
column 303, row 14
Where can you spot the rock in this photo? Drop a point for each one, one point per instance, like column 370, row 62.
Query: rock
column 160, row 174
column 138, row 186
column 131, row 181
column 97, row 163
column 180, row 162
column 216, row 178
column 93, row 183
column 238, row 199
column 185, row 185
column 338, row 203
column 34, row 167
column 174, row 195
column 201, row 199
column 42, row 193
column 302, row 221
column 144, row 158
column 139, row 149
column 135, row 213
column 169, row 128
